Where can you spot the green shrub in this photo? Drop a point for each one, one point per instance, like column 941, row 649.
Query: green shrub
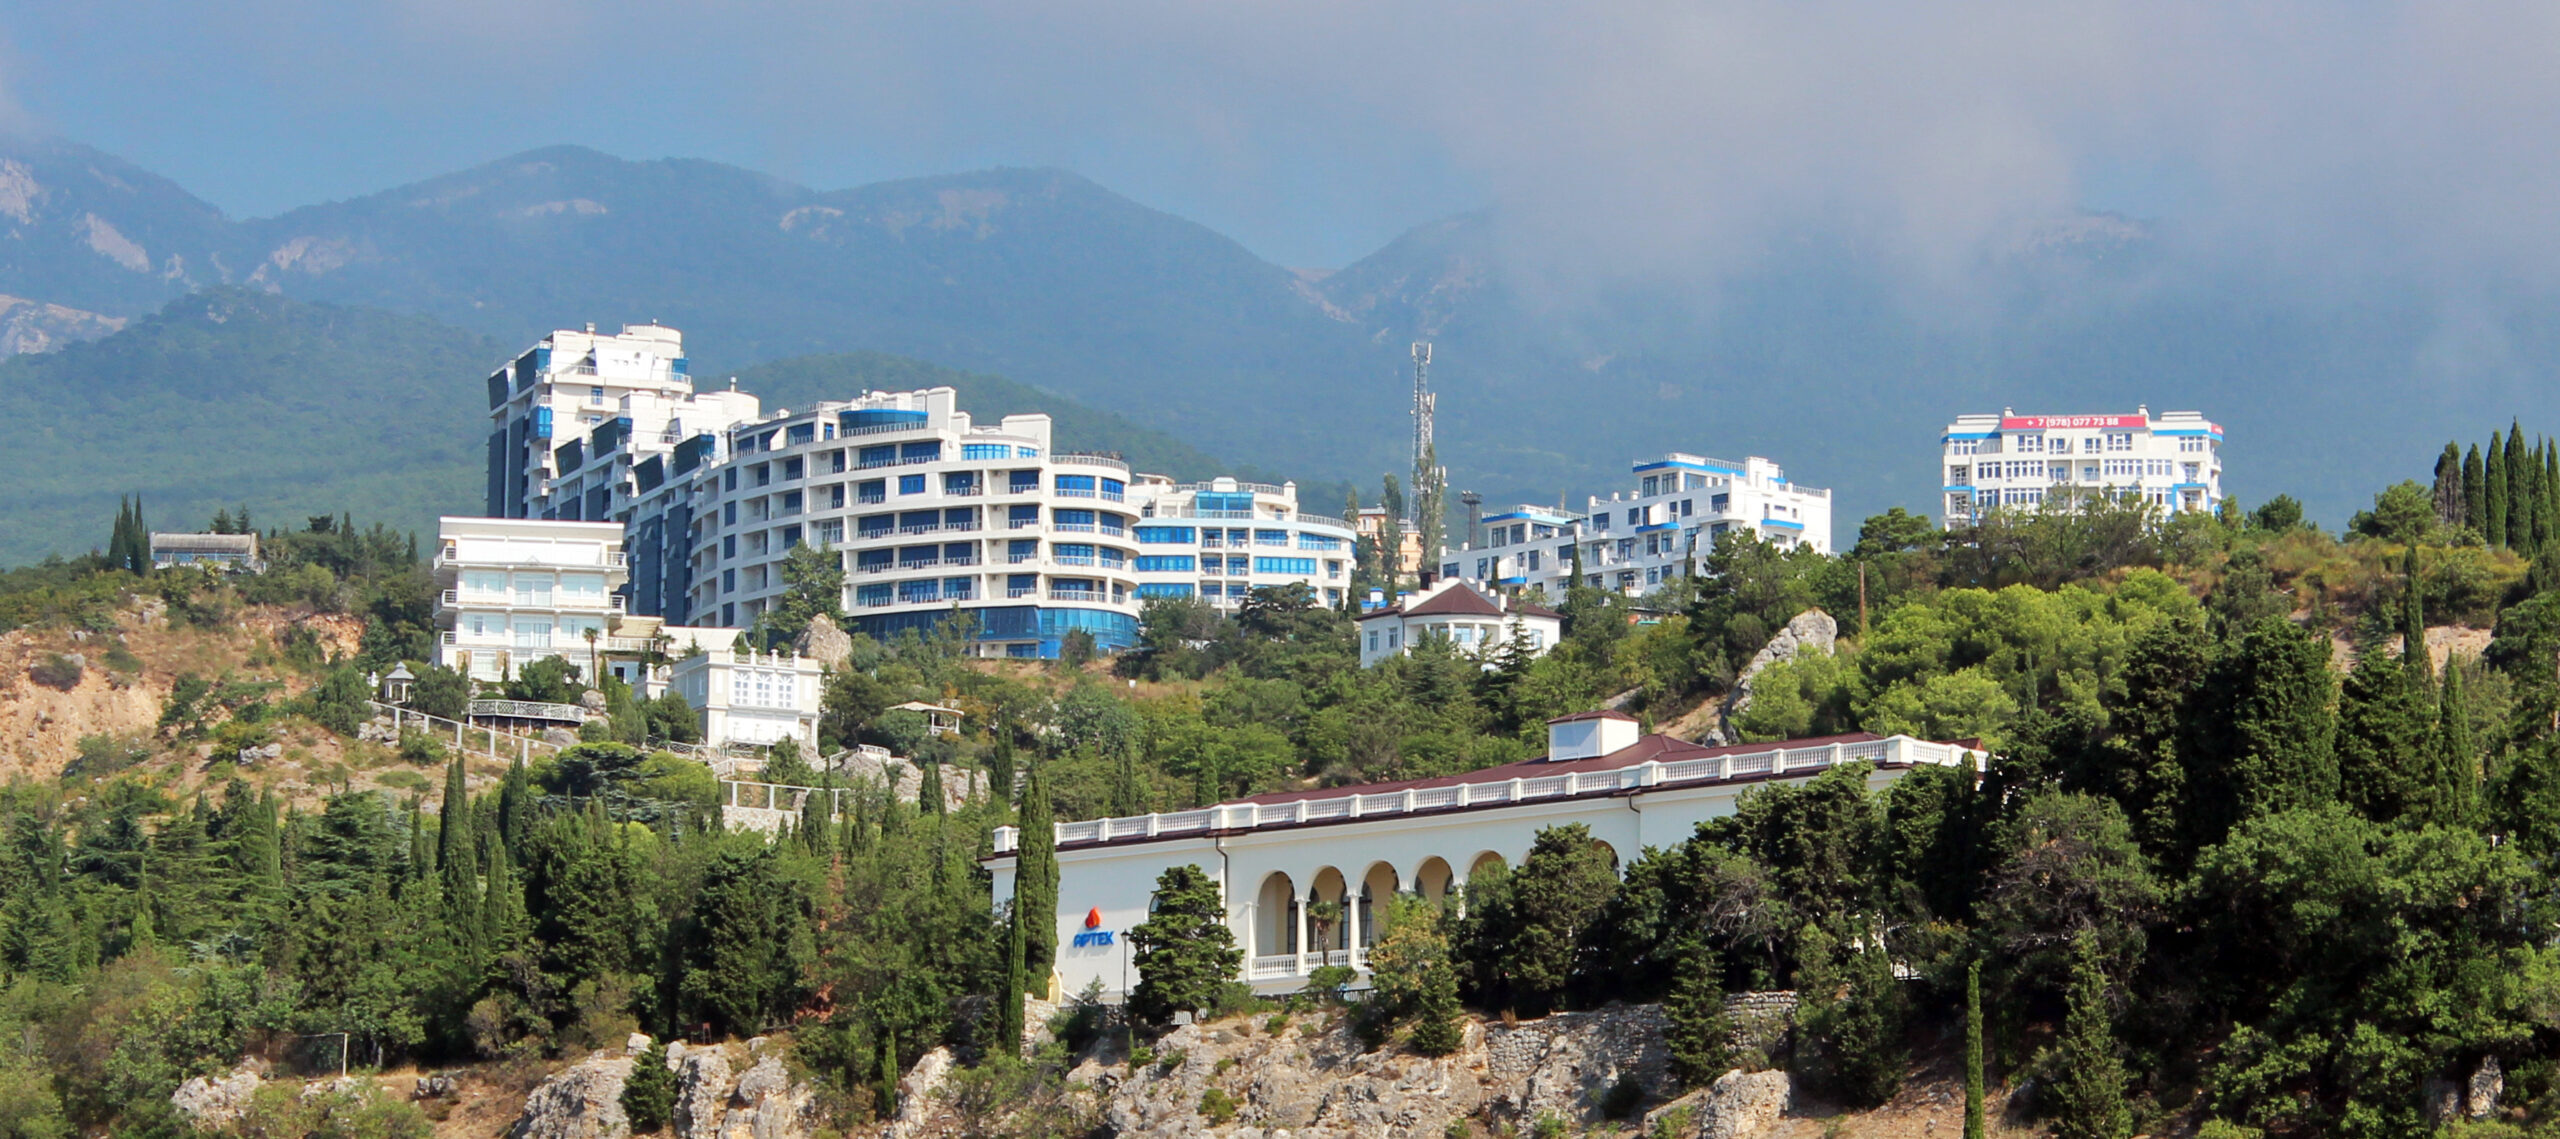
column 120, row 659
column 1678, row 1123
column 1217, row 1107
column 1142, row 1056
column 1549, row 1126
column 420, row 748
column 1457, row 1129
column 1278, row 1023
column 56, row 671
column 649, row 1096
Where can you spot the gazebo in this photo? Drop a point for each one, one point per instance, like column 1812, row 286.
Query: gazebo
column 938, row 720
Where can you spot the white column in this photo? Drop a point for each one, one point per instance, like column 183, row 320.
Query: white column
column 1300, row 911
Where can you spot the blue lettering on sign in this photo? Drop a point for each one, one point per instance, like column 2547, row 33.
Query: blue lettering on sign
column 1092, row 938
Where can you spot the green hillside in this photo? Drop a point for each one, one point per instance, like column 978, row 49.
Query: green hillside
column 233, row 396
column 802, row 380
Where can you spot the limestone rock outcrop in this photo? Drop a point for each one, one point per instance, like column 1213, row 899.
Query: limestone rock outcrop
column 211, row 1102
column 823, row 642
column 1812, row 631
column 584, row 1101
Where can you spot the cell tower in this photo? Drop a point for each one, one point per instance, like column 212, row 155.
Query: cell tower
column 1430, row 479
column 1422, row 404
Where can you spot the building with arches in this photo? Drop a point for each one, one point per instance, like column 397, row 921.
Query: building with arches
column 1306, row 874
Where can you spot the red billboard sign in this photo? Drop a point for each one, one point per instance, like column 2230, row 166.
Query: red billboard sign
column 2065, row 422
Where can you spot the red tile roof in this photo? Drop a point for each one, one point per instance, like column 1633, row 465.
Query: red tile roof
column 1595, row 714
column 1459, row 600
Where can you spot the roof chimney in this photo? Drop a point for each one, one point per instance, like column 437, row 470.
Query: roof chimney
column 1589, row 735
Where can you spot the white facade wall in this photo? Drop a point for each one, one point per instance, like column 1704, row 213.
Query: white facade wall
column 752, row 698
column 514, row 591
column 1632, row 542
column 1268, row 874
column 930, row 511
column 1388, row 633
column 2026, row 462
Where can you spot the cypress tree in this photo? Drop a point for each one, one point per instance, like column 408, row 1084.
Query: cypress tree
column 1698, row 1033
column 2088, row 1076
column 885, row 1097
column 2448, row 486
column 2413, row 625
column 2382, row 730
column 2495, row 471
column 2282, row 732
column 929, row 788
column 2457, row 760
column 2550, row 498
column 1035, row 892
column 1009, row 1014
column 2519, row 491
column 2475, row 492
column 1974, row 1125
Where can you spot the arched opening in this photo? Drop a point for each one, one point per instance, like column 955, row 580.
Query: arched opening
column 1275, row 917
column 1328, row 914
column 1377, row 891
column 1434, row 879
column 1482, row 861
column 1606, row 849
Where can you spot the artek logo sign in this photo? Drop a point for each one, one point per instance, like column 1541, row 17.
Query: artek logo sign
column 1094, row 936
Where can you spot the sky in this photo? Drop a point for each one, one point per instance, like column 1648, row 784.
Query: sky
column 1638, row 136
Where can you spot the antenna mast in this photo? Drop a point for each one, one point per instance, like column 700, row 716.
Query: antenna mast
column 1422, row 405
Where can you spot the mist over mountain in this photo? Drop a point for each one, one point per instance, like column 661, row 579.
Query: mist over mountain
column 1821, row 351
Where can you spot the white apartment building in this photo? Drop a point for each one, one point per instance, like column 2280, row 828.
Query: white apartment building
column 1357, row 847
column 1473, row 622
column 751, row 697
column 516, row 590
column 1632, row 542
column 2023, row 462
column 594, row 427
column 934, row 513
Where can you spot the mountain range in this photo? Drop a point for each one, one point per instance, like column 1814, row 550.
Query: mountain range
column 1817, row 355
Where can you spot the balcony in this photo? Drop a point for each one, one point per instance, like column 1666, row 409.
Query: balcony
column 960, row 560
column 1066, row 492
column 610, row 602
column 971, row 491
column 1074, row 559
column 1022, row 524
column 1088, row 459
column 1021, row 591
column 921, row 528
column 1018, row 559
column 919, row 563
column 1078, row 595
column 871, row 499
column 1075, row 527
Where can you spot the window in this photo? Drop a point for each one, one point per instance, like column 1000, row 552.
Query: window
column 1318, row 542
column 799, row 433
column 876, row 525
column 790, row 536
column 883, row 455
column 2088, row 472
column 871, row 594
column 1635, row 515
column 2090, row 445
column 2030, row 444
column 791, row 502
column 1271, row 537
column 835, row 497
column 764, row 474
column 1072, row 553
column 911, row 484
column 1025, row 481
column 1164, row 535
column 919, row 590
column 872, row 490
column 924, row 452
column 1167, row 563
column 728, row 581
column 1963, row 446
column 960, row 482
column 2193, row 472
column 829, row 533
column 2120, row 441
column 729, row 546
column 835, row 460
column 793, row 468
column 986, row 451
column 1077, row 486
column 2191, row 446
column 1301, row 567
column 729, row 479
column 1211, row 537
column 1333, row 569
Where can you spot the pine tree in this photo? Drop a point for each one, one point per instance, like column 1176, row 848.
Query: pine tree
column 1974, row 1125
column 2495, row 473
column 2086, row 1074
column 2267, row 736
column 2475, row 492
column 649, row 1095
column 1186, row 955
column 1698, row 1034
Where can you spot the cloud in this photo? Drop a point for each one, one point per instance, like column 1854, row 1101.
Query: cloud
column 1636, row 137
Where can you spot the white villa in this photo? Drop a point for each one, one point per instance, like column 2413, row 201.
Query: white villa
column 1271, row 855
column 1476, row 623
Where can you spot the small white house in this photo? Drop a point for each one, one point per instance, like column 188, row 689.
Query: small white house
column 751, row 697
column 1475, row 622
column 1357, row 847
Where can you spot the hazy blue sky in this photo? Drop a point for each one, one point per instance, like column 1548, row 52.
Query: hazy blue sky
column 1636, row 133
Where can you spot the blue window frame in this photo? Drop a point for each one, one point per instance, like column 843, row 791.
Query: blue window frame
column 911, row 484
column 1164, row 589
column 879, row 456
column 959, row 588
column 875, row 525
column 1167, row 563
column 1025, row 481
column 1303, row 567
column 1022, row 513
column 927, row 590
column 1113, row 486
column 1072, row 517
column 1164, row 535
column 800, row 433
column 986, row 451
column 1074, row 482
column 1318, row 542
column 923, row 452
column 871, row 594
column 872, row 559
column 1271, row 537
